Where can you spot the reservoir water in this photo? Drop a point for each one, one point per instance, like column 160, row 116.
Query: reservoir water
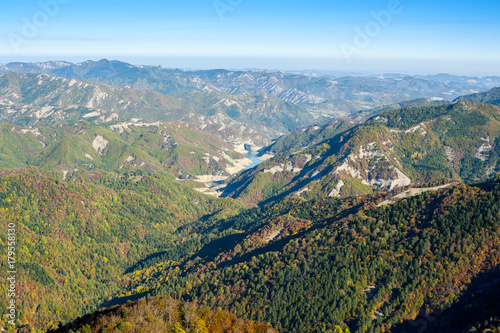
column 254, row 159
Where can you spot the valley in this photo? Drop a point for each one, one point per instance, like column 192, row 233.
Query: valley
column 151, row 199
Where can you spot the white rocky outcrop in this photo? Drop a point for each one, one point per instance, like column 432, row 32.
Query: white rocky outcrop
column 372, row 153
column 336, row 191
column 483, row 153
column 99, row 144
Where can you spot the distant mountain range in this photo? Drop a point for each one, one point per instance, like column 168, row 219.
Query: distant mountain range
column 41, row 99
column 327, row 95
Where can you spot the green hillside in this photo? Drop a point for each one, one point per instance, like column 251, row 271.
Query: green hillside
column 489, row 97
column 396, row 148
column 308, row 265
column 358, row 263
column 310, row 136
column 177, row 148
column 76, row 238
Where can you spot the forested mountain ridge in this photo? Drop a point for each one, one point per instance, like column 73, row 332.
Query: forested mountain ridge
column 489, row 97
column 294, row 264
column 395, row 148
column 50, row 209
column 303, row 138
column 308, row 265
column 309, row 136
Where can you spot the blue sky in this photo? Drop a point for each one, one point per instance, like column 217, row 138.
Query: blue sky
column 421, row 36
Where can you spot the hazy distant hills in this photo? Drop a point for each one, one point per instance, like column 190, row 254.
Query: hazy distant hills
column 488, row 81
column 395, row 148
column 67, row 125
column 41, row 99
column 30, row 99
column 327, row 95
column 70, row 124
column 33, row 67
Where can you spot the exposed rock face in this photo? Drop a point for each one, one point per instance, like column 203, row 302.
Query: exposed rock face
column 336, row 191
column 483, row 153
column 99, row 144
column 373, row 157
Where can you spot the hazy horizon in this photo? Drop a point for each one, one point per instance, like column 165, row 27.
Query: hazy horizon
column 242, row 64
column 387, row 36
